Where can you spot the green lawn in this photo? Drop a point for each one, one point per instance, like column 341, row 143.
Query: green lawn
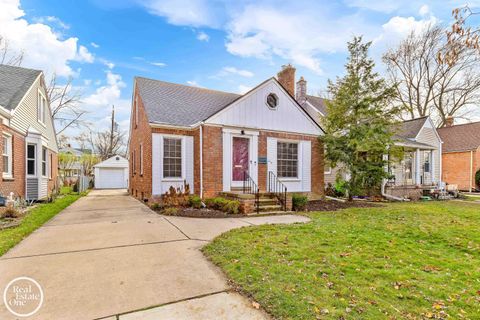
column 401, row 261
column 34, row 219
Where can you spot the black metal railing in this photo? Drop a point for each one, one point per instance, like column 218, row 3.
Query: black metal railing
column 276, row 187
column 250, row 187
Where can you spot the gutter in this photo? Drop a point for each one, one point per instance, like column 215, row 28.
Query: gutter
column 201, row 160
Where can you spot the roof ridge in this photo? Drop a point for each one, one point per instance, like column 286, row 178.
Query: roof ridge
column 414, row 119
column 188, row 86
column 459, row 125
column 18, row 67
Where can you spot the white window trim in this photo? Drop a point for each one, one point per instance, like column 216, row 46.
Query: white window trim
column 41, row 112
column 34, row 159
column 298, row 177
column 46, row 162
column 9, row 154
column 182, row 140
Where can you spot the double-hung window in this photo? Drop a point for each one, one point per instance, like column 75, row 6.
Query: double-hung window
column 172, row 158
column 7, row 156
column 427, row 155
column 44, row 161
column 31, row 159
column 287, row 159
column 42, row 106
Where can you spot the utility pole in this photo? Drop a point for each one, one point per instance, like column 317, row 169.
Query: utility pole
column 112, row 130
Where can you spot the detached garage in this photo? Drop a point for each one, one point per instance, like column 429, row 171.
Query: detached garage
column 112, row 173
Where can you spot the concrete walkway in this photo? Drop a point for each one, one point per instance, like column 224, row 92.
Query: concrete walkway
column 109, row 256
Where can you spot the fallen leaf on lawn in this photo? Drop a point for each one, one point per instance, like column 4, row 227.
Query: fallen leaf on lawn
column 438, row 305
column 330, row 285
column 429, row 268
column 429, row 315
column 397, row 285
column 345, row 254
column 325, row 311
column 256, row 305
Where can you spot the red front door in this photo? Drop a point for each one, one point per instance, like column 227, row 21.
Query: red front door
column 240, row 147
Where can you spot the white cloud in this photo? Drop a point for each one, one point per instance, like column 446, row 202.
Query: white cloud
column 242, row 89
column 398, row 28
column 87, row 82
column 93, row 44
column 202, row 36
column 194, row 83
column 52, row 20
column 235, row 71
column 424, row 10
column 195, row 13
column 99, row 104
column 158, row 64
column 43, row 48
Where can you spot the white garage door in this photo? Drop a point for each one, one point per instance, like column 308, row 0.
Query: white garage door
column 111, row 178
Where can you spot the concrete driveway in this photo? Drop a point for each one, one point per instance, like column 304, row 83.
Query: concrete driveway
column 109, row 256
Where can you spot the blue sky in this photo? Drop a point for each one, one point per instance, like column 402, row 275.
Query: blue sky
column 223, row 45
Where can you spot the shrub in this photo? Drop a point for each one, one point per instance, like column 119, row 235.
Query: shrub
column 299, row 202
column 216, row 203
column 195, row 202
column 231, row 207
column 170, row 211
column 222, row 204
column 176, row 198
column 156, row 206
column 10, row 213
column 477, row 178
column 340, row 188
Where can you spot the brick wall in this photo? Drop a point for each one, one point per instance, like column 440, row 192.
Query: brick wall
column 142, row 134
column 212, row 161
column 17, row 183
column 456, row 168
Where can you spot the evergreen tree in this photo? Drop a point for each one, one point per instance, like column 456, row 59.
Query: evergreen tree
column 360, row 122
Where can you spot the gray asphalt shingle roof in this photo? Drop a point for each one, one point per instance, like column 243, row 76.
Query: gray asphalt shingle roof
column 180, row 105
column 14, row 84
column 409, row 129
column 318, row 103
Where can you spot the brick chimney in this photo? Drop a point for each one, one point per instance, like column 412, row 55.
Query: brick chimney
column 450, row 121
column 286, row 77
column 301, row 93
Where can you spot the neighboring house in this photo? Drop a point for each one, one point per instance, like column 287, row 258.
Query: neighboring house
column 70, row 170
column 215, row 141
column 461, row 154
column 111, row 173
column 28, row 144
column 421, row 167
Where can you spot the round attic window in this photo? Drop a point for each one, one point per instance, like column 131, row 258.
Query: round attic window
column 272, row 101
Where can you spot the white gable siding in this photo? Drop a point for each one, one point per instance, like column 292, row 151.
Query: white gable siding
column 251, row 111
column 429, row 136
column 26, row 115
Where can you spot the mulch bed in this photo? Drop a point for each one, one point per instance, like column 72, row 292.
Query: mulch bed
column 203, row 213
column 332, row 205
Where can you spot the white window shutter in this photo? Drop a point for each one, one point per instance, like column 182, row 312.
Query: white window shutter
column 272, row 155
column 306, row 166
column 189, row 162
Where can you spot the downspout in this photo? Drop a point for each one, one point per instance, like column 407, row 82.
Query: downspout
column 201, row 160
column 471, row 170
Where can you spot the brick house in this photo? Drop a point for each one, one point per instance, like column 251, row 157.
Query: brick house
column 461, row 154
column 422, row 165
column 217, row 142
column 29, row 146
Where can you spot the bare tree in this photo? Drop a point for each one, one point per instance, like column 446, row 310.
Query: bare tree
column 425, row 85
column 65, row 103
column 110, row 142
column 9, row 56
column 460, row 36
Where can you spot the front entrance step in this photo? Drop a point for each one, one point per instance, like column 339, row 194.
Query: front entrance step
column 270, row 208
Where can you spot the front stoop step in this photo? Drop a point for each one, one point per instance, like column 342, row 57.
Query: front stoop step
column 268, row 202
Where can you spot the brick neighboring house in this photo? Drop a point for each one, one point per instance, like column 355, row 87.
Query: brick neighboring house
column 215, row 140
column 29, row 146
column 461, row 154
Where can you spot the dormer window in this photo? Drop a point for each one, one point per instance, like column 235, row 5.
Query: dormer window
column 272, row 101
